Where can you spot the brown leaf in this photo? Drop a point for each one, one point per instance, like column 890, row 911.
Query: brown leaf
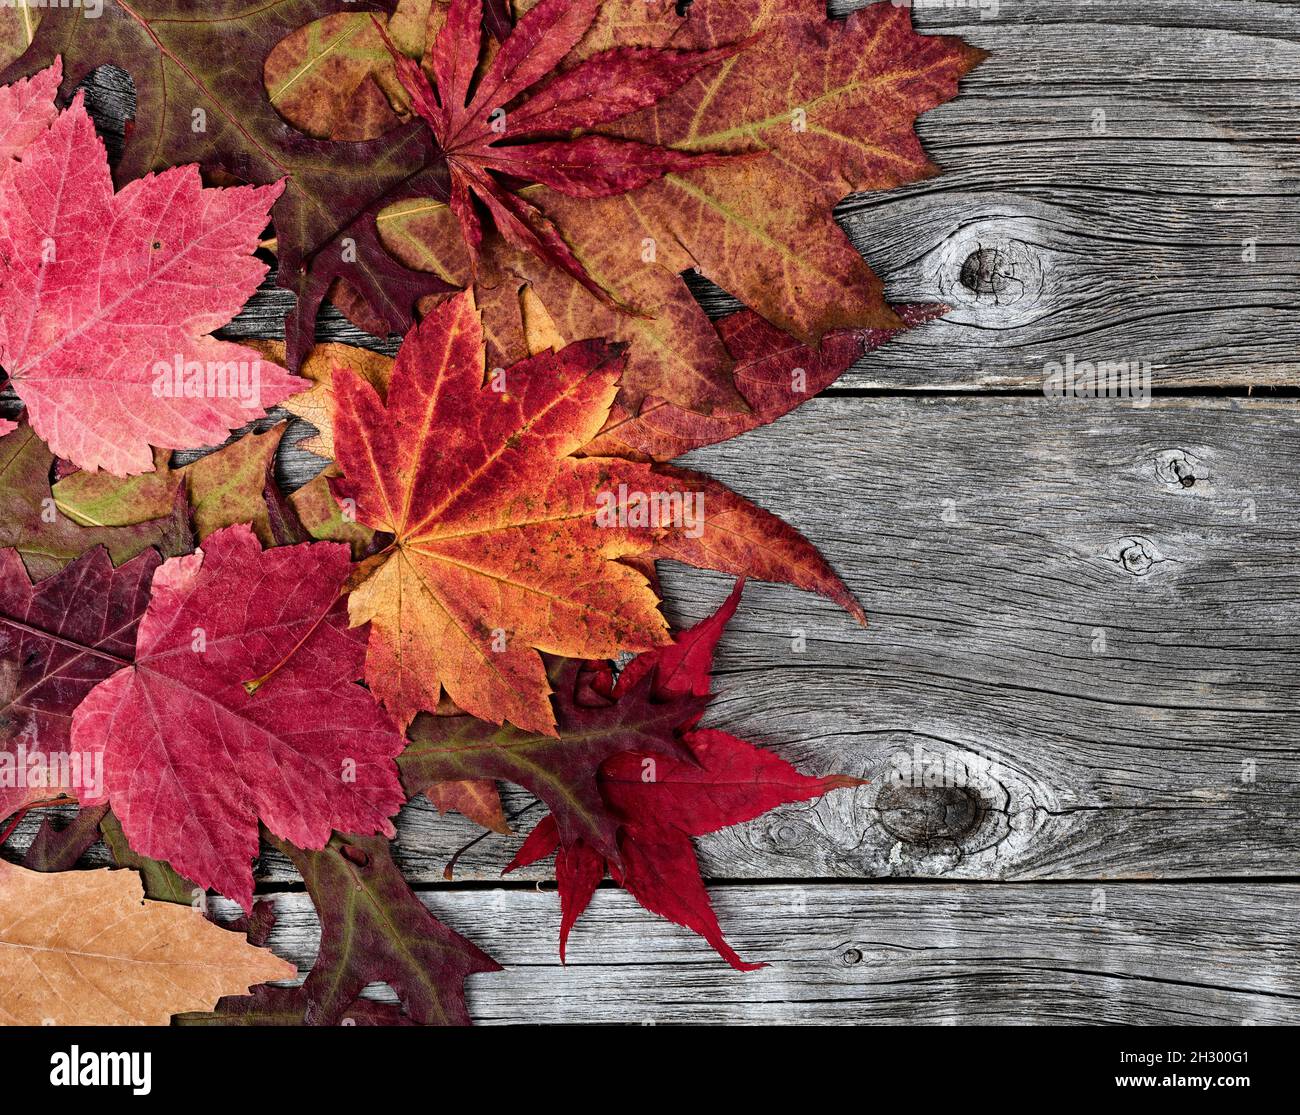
column 84, row 948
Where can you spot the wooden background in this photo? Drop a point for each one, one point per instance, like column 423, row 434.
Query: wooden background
column 1101, row 598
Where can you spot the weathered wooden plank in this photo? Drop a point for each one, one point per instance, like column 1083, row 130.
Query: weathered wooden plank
column 1010, row 954
column 1161, row 230
column 1103, row 598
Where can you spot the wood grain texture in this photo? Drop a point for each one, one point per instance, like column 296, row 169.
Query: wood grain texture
column 933, row 954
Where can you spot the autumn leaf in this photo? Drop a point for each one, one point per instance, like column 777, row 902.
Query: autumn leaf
column 26, row 109
column 18, row 25
column 505, row 543
column 287, row 1006
column 192, row 759
column 774, row 373
column 659, row 801
column 106, row 301
column 223, row 488
column 47, row 539
column 373, row 928
column 561, row 769
column 83, row 948
column 59, row 638
column 58, row 846
column 478, row 799
column 496, row 551
column 322, row 517
column 316, row 404
column 498, row 124
column 157, row 876
column 833, row 104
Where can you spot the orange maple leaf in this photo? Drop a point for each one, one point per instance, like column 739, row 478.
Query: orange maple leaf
column 507, row 541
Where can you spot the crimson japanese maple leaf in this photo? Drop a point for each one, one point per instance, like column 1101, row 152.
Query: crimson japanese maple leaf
column 497, row 130
column 192, row 759
column 561, row 770
column 59, row 638
column 107, row 300
column 659, row 800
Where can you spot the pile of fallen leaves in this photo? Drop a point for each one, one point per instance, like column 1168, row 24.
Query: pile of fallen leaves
column 209, row 664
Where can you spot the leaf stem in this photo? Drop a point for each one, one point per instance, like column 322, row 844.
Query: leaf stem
column 251, row 687
column 450, row 869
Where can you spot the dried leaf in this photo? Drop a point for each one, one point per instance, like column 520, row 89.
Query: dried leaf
column 192, row 759
column 109, row 349
column 223, row 488
column 659, row 801
column 32, row 524
column 59, row 638
column 832, row 102
column 83, row 948
column 374, row 928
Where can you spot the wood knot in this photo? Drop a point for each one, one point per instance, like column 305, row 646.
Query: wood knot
column 991, row 272
column 929, row 814
column 1176, row 468
column 1136, row 556
column 994, row 273
column 851, row 957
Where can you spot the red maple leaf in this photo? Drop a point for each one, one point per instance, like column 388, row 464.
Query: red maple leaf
column 497, row 128
column 107, row 300
column 192, row 759
column 630, row 779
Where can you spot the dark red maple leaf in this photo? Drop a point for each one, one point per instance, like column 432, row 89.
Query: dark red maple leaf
column 192, row 759
column 268, row 1005
column 497, row 131
column 59, row 638
column 774, row 373
column 660, row 801
column 560, row 770
column 373, row 929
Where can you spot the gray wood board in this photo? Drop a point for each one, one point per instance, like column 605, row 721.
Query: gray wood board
column 1101, row 600
column 1009, row 954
